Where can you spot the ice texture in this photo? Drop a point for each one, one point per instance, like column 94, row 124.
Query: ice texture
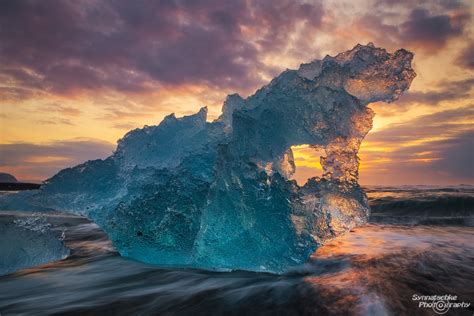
column 219, row 195
column 28, row 242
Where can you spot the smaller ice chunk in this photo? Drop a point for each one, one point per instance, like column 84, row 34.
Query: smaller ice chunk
column 29, row 242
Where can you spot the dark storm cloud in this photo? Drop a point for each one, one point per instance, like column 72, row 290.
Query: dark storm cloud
column 43, row 160
column 60, row 46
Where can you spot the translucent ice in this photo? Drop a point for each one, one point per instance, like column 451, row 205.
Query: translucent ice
column 28, row 242
column 218, row 195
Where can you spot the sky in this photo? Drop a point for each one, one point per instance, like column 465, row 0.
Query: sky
column 75, row 76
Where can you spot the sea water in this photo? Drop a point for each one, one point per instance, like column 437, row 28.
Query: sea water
column 419, row 243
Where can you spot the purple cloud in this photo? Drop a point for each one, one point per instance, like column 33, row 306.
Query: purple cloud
column 452, row 155
column 432, row 31
column 466, row 58
column 426, row 25
column 446, row 91
column 44, row 160
column 60, row 46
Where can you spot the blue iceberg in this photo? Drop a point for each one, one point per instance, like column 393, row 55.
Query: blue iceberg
column 28, row 242
column 219, row 195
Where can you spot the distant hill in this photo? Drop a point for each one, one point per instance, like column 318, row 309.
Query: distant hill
column 7, row 178
column 8, row 182
column 18, row 186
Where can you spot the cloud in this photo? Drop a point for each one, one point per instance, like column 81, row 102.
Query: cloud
column 457, row 156
column 125, row 126
column 446, row 91
column 466, row 58
column 433, row 148
column 56, row 121
column 60, row 47
column 39, row 161
column 421, row 26
column 445, row 122
column 432, row 31
column 61, row 109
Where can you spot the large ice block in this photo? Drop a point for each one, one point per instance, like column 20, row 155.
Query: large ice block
column 219, row 195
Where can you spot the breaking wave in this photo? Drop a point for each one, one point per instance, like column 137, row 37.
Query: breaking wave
column 422, row 205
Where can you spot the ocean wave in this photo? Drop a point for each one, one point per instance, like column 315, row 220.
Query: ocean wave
column 439, row 206
column 433, row 206
column 360, row 273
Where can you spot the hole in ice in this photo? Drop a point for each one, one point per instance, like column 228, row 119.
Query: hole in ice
column 307, row 163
